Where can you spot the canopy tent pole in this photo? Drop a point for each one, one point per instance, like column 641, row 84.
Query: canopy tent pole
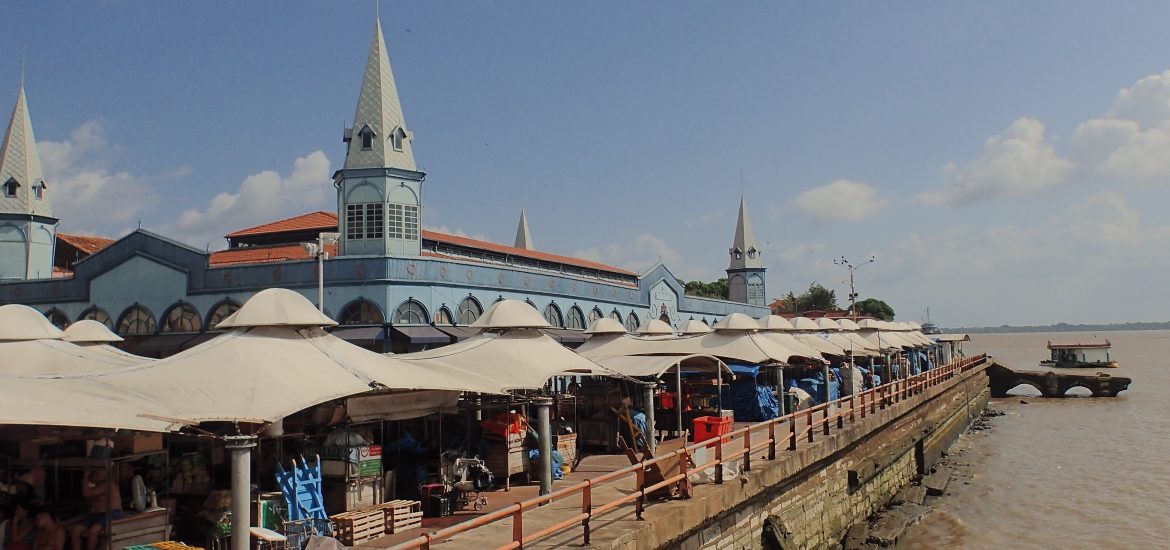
column 544, row 434
column 678, row 403
column 651, row 439
column 719, row 389
column 780, row 390
column 241, row 457
column 827, row 372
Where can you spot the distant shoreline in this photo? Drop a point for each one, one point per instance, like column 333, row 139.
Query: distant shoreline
column 1059, row 327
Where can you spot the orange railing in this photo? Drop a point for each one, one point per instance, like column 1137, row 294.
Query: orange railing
column 849, row 409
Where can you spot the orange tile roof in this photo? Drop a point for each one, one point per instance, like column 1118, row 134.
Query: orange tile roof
column 263, row 254
column 327, row 221
column 320, row 219
column 85, row 243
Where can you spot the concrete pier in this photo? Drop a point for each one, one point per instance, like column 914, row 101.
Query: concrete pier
column 1053, row 382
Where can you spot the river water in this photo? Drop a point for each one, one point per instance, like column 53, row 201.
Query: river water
column 1063, row 473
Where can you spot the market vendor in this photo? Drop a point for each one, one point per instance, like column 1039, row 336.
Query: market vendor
column 104, row 497
column 50, row 533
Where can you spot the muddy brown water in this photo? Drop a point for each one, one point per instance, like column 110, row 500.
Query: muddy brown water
column 1063, row 473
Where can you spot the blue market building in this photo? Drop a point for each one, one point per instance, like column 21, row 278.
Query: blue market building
column 390, row 284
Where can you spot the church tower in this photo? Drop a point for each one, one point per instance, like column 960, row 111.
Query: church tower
column 379, row 190
column 523, row 235
column 745, row 274
column 28, row 230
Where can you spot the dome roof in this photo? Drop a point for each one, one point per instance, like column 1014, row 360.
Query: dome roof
column 848, row 324
column 655, row 326
column 825, row 323
column 737, row 321
column 90, row 331
column 510, row 314
column 276, row 307
column 775, row 322
column 804, row 323
column 605, row 325
column 20, row 322
column 695, row 326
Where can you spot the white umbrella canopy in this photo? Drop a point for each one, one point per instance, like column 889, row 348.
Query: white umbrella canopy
column 804, row 323
column 605, row 325
column 820, row 343
column 825, row 323
column 774, row 323
column 261, row 373
column 32, row 346
column 695, row 326
column 790, row 341
column 657, row 365
column 848, row 324
column 751, row 347
column 510, row 360
column 737, row 321
column 506, row 314
column 20, row 322
column 71, row 402
column 655, row 327
column 88, row 331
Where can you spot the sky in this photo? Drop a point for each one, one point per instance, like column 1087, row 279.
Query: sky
column 1004, row 162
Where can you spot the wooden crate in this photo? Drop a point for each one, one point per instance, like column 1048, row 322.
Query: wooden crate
column 567, row 446
column 402, row 515
column 353, row 528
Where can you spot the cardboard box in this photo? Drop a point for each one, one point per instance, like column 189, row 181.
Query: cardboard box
column 138, row 443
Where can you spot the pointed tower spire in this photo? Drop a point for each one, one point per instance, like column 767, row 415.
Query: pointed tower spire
column 745, row 273
column 379, row 137
column 21, row 176
column 523, row 236
column 27, row 227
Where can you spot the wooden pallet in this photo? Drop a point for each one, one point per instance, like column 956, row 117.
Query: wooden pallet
column 353, row 528
column 402, row 515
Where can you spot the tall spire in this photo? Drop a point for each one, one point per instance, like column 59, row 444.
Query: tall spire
column 20, row 163
column 379, row 137
column 523, row 236
column 745, row 250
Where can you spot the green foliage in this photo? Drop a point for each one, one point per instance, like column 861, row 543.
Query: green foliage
column 816, row 298
column 715, row 289
column 875, row 308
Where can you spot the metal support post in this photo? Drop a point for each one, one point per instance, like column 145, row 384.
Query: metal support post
column 241, row 447
column 651, row 438
column 544, row 432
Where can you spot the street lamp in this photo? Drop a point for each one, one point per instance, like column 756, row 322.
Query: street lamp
column 844, row 262
column 319, row 251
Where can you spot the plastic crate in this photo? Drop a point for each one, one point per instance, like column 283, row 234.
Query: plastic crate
column 710, row 427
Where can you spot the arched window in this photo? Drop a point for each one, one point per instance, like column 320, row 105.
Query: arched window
column 469, row 310
column 367, row 136
column 706, row 322
column 57, row 317
column 411, row 313
column 443, row 317
column 552, row 314
column 615, row 316
column 664, row 318
column 220, row 312
column 595, row 315
column 396, row 138
column 576, row 320
column 10, row 187
column 533, row 304
column 361, row 312
column 136, row 321
column 182, row 317
column 97, row 314
column 632, row 322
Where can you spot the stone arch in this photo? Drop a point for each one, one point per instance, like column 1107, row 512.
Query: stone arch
column 1013, row 390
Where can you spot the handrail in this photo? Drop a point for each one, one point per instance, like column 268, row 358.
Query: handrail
column 875, row 398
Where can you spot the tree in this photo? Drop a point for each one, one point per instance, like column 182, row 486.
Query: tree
column 816, row 298
column 875, row 308
column 714, row 289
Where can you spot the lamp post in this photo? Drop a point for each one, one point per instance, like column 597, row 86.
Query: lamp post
column 318, row 251
column 844, row 262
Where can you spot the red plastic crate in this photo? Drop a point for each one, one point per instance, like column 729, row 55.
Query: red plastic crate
column 710, row 427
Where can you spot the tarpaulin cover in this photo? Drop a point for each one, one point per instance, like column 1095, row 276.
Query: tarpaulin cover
column 741, row 369
column 750, row 401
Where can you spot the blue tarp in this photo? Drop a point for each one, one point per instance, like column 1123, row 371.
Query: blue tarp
column 558, row 462
column 743, row 369
column 749, row 401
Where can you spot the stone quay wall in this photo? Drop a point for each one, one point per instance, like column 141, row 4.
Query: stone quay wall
column 811, row 499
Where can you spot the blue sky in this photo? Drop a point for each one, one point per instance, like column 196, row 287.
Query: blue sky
column 1006, row 162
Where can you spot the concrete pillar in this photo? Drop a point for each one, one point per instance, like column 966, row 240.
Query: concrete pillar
column 240, row 447
column 781, row 391
column 544, row 433
column 828, row 370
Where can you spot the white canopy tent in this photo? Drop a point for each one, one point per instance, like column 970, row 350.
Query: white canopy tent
column 32, row 346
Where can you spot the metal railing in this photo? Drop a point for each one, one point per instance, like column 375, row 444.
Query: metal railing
column 850, row 409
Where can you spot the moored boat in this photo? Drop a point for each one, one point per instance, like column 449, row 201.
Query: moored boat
column 1079, row 355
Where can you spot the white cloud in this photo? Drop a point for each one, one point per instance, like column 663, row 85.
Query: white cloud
column 87, row 194
column 1131, row 142
column 641, row 253
column 705, row 218
column 261, row 197
column 841, row 200
column 1020, row 161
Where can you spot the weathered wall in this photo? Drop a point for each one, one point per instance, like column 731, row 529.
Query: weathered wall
column 816, row 505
